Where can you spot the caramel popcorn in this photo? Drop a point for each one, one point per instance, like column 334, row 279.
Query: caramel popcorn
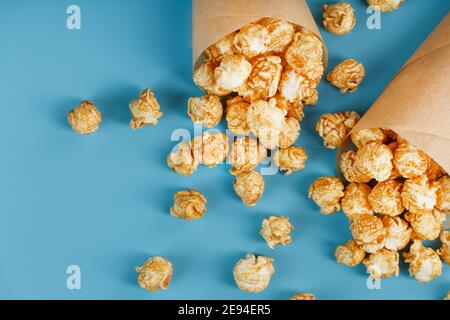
column 188, row 205
column 424, row 263
column 205, row 78
column 145, row 110
column 291, row 159
column 281, row 34
column 289, row 133
column 85, row 118
column 210, row 149
column 386, row 198
column 447, row 297
column 303, row 296
column 277, row 231
column 409, row 161
column 333, row 128
column 366, row 136
column 375, row 161
column 293, row 109
column 327, row 192
column 350, row 254
column 249, row 186
column 444, row 251
column 245, row 155
column 292, row 85
column 419, row 194
column 205, row 110
column 398, row 233
column 236, row 115
column 252, row 40
column 426, row 224
column 339, row 18
column 349, row 170
column 347, row 75
column 253, row 274
column 155, row 274
column 385, row 5
column 232, row 73
column 220, row 49
column 181, row 160
column 383, row 264
column 355, row 201
column 369, row 233
column 443, row 195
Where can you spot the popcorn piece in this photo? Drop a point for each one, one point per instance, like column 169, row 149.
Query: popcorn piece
column 426, row 224
column 303, row 296
column 181, row 160
column 232, row 73
column 145, row 110
column 253, row 274
column 347, row 75
column 245, row 155
column 350, row 254
column 277, row 231
column 366, row 136
column 85, row 118
column 292, row 85
column 204, row 77
column 155, row 274
column 339, row 18
column 382, row 264
column 369, row 233
column 398, row 233
column 375, row 161
column 252, row 40
column 447, row 297
column 424, row 263
column 355, row 201
column 349, row 170
column 293, row 109
column 289, row 133
column 188, row 205
column 409, row 161
column 205, row 110
column 210, row 149
column 327, row 192
column 333, row 128
column 386, row 198
column 311, row 95
column 385, row 5
column 443, row 195
column 291, row 159
column 220, row 49
column 434, row 170
column 444, row 251
column 249, row 186
column 236, row 115
column 419, row 194
column 281, row 34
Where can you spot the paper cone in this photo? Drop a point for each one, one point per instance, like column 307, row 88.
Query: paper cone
column 214, row 19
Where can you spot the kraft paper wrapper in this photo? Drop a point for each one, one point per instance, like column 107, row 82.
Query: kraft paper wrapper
column 214, row 19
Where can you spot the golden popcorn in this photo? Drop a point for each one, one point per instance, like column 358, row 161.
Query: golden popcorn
column 424, row 263
column 232, row 73
column 236, row 115
column 293, row 109
column 181, row 160
column 447, row 297
column 205, row 78
column 85, row 118
column 383, row 264
column 347, row 75
column 253, row 274
column 409, row 161
column 303, row 296
column 277, row 231
column 291, row 159
column 155, row 274
column 434, row 170
column 350, row 254
column 375, row 161
column 210, row 149
column 289, row 133
column 249, row 186
column 292, row 85
column 311, row 95
column 427, row 225
column 349, row 170
column 252, row 40
column 245, row 155
column 207, row 110
column 327, row 192
column 355, row 201
column 385, row 5
column 220, row 49
column 145, row 110
column 398, row 233
column 443, row 194
column 366, row 136
column 339, row 18
column 188, row 205
column 281, row 34
column 419, row 194
column 444, row 251
column 386, row 198
column 369, row 233
column 333, row 128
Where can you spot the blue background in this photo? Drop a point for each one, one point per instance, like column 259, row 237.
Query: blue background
column 102, row 201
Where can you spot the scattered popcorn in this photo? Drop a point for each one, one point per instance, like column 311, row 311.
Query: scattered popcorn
column 188, row 205
column 369, row 233
column 375, row 161
column 289, row 133
column 347, row 76
column 277, row 231
column 443, row 195
column 291, row 159
column 444, row 251
column 333, row 128
column 339, row 18
column 355, row 201
column 236, row 115
column 434, row 170
column 386, row 198
column 85, row 118
column 281, row 34
column 385, row 5
column 181, row 160
column 327, row 192
column 205, row 110
column 292, row 86
column 249, row 186
column 350, row 254
column 398, row 233
column 210, row 149
column 253, row 274
column 293, row 109
column 426, row 224
column 232, row 73
column 419, row 194
column 424, row 263
column 155, row 274
column 220, row 49
column 145, row 110
column 382, row 264
column 252, row 40
column 409, row 161
column 303, row 296
column 205, row 78
column 349, row 170
column 245, row 155
column 366, row 136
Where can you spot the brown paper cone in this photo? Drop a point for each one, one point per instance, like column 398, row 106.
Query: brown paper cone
column 214, row 19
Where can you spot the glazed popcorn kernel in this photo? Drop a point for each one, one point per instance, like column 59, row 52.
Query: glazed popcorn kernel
column 375, row 161
column 355, row 201
column 349, row 170
column 426, row 225
column 444, row 251
column 339, row 18
column 181, row 160
column 249, row 186
column 289, row 133
column 155, row 274
column 386, row 198
column 207, row 110
column 252, row 40
column 424, row 263
column 409, row 161
column 347, row 75
column 366, row 136
column 293, row 109
column 327, row 193
column 443, row 194
column 385, row 5
column 145, row 110
column 232, row 72
column 85, row 118
column 253, row 274
column 333, row 128
column 383, row 264
column 277, row 231
column 434, row 170
column 205, row 78
column 188, row 205
column 303, row 296
column 292, row 85
column 281, row 34
column 369, row 233
column 236, row 115
column 398, row 233
column 311, row 95
column 419, row 194
column 220, row 49
column 291, row 159
column 350, row 254
column 245, row 155
column 210, row 149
